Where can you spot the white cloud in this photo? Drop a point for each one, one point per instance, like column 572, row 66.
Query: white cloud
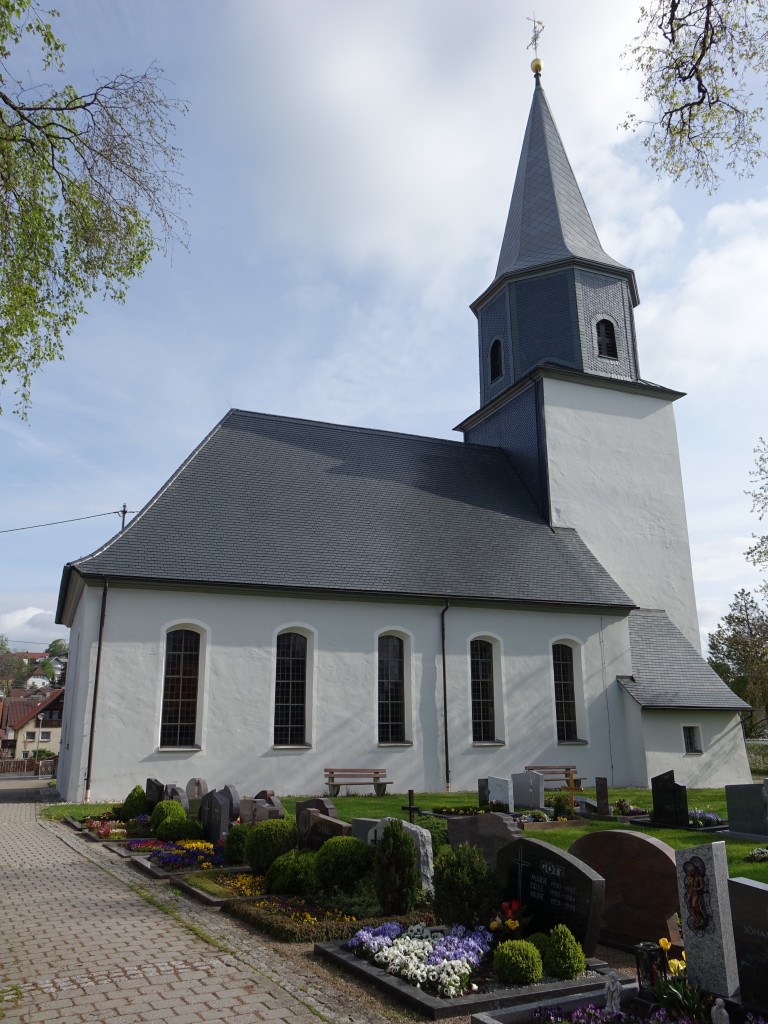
column 27, row 627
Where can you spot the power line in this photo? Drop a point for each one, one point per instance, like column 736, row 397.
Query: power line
column 38, row 526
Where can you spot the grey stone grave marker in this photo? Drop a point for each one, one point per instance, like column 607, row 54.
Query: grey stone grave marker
column 601, row 795
column 321, row 828
column 482, row 791
column 196, row 789
column 528, row 790
column 500, row 792
column 640, row 875
column 554, row 888
column 422, row 841
column 748, row 808
column 178, row 794
column 705, row 910
column 749, row 911
column 234, row 801
column 155, row 791
column 204, row 811
column 490, row 833
column 670, row 801
column 362, row 826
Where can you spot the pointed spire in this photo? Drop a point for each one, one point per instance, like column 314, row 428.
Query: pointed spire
column 548, row 221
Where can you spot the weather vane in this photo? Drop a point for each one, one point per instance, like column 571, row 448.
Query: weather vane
column 538, row 28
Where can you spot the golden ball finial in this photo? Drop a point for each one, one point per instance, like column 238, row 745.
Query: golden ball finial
column 536, row 65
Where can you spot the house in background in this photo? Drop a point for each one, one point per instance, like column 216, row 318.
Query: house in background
column 35, row 661
column 30, row 722
column 302, row 595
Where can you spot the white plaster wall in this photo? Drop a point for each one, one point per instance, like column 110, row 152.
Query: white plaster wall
column 724, row 758
column 614, row 475
column 237, row 685
column 634, row 742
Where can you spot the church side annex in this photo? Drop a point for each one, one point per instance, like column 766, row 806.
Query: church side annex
column 303, row 594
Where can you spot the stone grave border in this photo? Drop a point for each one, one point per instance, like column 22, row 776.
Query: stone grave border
column 180, row 881
column 436, row 1008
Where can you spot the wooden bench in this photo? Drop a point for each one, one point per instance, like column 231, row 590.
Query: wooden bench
column 335, row 778
column 565, row 774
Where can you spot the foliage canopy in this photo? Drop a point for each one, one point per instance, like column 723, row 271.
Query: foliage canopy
column 738, row 652
column 88, row 190
column 699, row 61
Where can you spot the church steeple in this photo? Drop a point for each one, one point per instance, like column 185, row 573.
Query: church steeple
column 557, row 298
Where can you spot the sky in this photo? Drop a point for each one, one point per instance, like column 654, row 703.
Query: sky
column 349, row 168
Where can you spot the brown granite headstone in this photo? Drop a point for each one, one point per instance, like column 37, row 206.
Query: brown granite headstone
column 641, row 898
column 488, row 832
column 321, row 827
column 304, row 810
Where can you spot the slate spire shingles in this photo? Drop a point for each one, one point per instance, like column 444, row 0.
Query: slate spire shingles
column 548, row 220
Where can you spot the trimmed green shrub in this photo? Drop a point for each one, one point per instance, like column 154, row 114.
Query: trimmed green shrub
column 234, row 844
column 437, row 827
column 136, row 803
column 293, row 873
column 396, row 870
column 563, row 956
column 166, row 809
column 466, row 888
column 517, row 962
column 342, row 862
column 539, row 940
column 560, row 804
column 267, row 840
column 174, row 828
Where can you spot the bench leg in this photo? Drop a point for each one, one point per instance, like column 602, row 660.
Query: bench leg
column 380, row 788
column 333, row 790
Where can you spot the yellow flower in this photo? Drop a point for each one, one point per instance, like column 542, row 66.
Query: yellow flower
column 494, row 925
column 677, row 966
column 665, row 944
column 512, row 924
column 683, row 956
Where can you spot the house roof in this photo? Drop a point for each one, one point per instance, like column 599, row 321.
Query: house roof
column 270, row 501
column 548, row 221
column 668, row 671
column 22, row 708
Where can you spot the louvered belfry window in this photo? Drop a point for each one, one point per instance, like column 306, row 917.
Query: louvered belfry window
column 497, row 365
column 606, row 340
column 182, row 667
column 483, row 713
column 391, row 690
column 290, row 689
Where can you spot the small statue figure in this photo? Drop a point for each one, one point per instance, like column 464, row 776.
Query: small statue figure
column 613, row 996
column 719, row 1013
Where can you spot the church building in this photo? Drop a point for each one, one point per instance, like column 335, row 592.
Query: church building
column 303, row 595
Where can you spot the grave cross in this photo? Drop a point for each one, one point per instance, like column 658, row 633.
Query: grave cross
column 519, row 863
column 412, row 809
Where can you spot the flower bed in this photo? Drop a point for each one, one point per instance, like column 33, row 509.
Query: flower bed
column 293, row 919
column 218, row 887
column 188, row 855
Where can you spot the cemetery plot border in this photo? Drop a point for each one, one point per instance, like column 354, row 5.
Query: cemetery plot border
column 435, row 1008
column 185, row 882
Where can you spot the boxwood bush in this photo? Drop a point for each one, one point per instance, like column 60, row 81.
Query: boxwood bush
column 563, row 955
column 234, row 844
column 293, row 873
column 174, row 828
column 166, row 809
column 342, row 862
column 517, row 962
column 268, row 840
column 466, row 888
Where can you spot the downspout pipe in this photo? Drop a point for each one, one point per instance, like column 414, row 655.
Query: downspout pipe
column 445, row 699
column 96, row 691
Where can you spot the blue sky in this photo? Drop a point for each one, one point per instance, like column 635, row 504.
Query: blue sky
column 350, row 167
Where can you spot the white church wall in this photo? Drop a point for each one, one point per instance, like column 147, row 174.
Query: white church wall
column 236, row 696
column 614, row 475
column 637, row 769
column 723, row 758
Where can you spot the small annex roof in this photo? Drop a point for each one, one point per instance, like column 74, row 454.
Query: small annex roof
column 548, row 221
column 668, row 671
column 275, row 502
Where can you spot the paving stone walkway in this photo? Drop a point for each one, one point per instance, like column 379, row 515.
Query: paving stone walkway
column 79, row 943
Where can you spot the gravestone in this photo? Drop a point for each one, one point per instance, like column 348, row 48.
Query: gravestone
column 749, row 912
column 482, row 792
column 640, row 875
column 205, row 810
column 422, row 841
column 488, row 832
column 177, row 794
column 528, row 790
column 601, row 795
column 321, row 827
column 234, row 802
column 155, row 791
column 219, row 818
column 362, row 826
column 263, row 811
column 670, row 801
column 317, row 804
column 705, row 911
column 584, row 805
column 554, row 888
column 748, row 808
column 196, row 789
column 500, row 792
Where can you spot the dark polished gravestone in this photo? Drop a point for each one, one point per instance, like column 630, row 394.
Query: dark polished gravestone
column 749, row 913
column 218, row 817
column 670, row 801
column 234, row 802
column 748, row 808
column 490, row 833
column 155, row 791
column 640, row 873
column 177, row 794
column 601, row 795
column 554, row 887
column 303, row 807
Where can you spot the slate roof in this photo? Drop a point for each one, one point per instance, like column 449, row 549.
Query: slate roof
column 270, row 501
column 548, row 220
column 668, row 671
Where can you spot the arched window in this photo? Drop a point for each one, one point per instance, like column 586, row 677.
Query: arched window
column 565, row 692
column 481, row 670
column 497, row 366
column 290, row 690
column 178, row 727
column 606, row 340
column 391, row 689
